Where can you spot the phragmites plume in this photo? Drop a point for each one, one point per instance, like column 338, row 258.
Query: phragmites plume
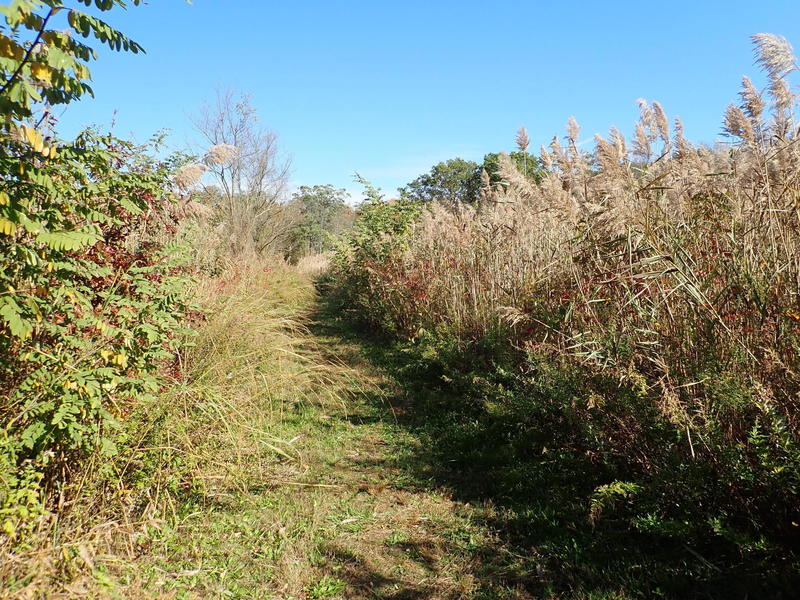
column 517, row 181
column 555, row 148
column 220, row 154
column 775, row 54
column 544, row 156
column 485, row 192
column 606, row 153
column 641, row 143
column 682, row 145
column 522, row 139
column 573, row 130
column 616, row 138
column 737, row 124
column 485, row 181
column 661, row 123
column 752, row 103
column 192, row 209
column 647, row 119
column 782, row 97
column 189, row 175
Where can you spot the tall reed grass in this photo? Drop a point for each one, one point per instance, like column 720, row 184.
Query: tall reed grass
column 663, row 275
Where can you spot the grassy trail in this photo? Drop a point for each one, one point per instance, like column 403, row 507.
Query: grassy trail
column 310, row 495
column 300, row 458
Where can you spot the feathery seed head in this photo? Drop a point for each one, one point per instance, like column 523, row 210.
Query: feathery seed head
column 606, row 153
column 738, row 125
column 774, row 53
column 189, row 175
column 522, row 139
column 220, row 154
column 782, row 97
column 752, row 103
column 573, row 130
column 641, row 143
column 661, row 122
column 545, row 157
column 681, row 143
column 555, row 147
column 616, row 138
column 485, row 181
column 647, row 119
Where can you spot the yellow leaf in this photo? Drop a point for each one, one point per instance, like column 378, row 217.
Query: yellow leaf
column 10, row 49
column 4, row 199
column 120, row 359
column 34, row 138
column 7, row 226
column 81, row 72
column 31, row 135
column 42, row 72
column 8, row 528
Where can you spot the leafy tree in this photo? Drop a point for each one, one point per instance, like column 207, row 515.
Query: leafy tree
column 452, row 182
column 457, row 180
column 526, row 163
column 41, row 62
column 381, row 230
column 324, row 214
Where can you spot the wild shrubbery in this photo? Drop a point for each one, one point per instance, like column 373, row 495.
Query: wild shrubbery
column 645, row 299
column 93, row 300
column 91, row 297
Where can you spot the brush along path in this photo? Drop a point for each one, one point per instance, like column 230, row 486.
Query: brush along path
column 298, row 459
column 289, row 475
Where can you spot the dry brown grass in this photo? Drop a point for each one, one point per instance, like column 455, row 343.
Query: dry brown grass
column 671, row 267
column 216, row 433
column 314, row 264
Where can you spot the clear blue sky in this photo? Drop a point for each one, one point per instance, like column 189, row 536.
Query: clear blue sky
column 390, row 88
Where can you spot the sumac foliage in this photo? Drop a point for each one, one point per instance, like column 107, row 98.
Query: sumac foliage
column 91, row 297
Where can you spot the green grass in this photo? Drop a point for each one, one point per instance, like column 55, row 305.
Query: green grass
column 303, row 458
column 471, row 431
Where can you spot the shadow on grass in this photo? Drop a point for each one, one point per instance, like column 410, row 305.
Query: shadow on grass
column 532, row 496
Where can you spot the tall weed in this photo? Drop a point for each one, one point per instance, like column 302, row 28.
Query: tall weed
column 656, row 280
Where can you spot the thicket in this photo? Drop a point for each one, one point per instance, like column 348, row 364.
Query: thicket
column 322, row 217
column 640, row 304
column 92, row 298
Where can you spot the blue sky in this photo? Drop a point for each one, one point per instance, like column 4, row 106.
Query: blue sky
column 390, row 88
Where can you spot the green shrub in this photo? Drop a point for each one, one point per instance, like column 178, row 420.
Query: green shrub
column 367, row 267
column 92, row 299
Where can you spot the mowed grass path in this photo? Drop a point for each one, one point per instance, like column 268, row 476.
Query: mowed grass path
column 302, row 458
column 295, row 482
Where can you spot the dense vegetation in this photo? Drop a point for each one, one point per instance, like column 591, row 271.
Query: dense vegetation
column 586, row 386
column 92, row 301
column 632, row 312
